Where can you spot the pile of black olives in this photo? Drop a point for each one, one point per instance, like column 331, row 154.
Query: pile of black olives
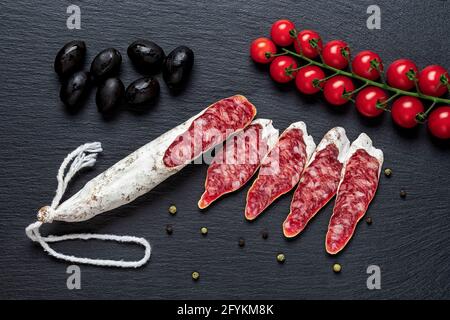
column 147, row 56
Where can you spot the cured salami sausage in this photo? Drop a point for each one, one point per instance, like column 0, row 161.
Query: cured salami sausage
column 145, row 168
column 281, row 169
column 319, row 181
column 133, row 176
column 238, row 160
column 359, row 182
column 218, row 122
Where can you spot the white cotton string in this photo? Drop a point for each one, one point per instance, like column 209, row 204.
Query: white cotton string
column 82, row 157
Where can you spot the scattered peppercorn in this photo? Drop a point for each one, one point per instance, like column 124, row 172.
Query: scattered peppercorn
column 403, row 193
column 195, row 275
column 281, row 258
column 241, row 242
column 204, row 231
column 169, row 229
column 337, row 268
column 172, row 209
column 369, row 220
column 265, row 234
column 387, row 172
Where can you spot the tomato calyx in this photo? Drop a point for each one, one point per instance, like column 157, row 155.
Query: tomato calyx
column 382, row 105
column 348, row 95
column 289, row 71
column 421, row 117
column 345, row 52
column 412, row 75
column 375, row 64
column 444, row 81
column 317, row 83
column 293, row 33
column 314, row 43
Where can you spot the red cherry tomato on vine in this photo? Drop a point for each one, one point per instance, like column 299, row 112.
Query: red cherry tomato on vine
column 439, row 122
column 306, row 77
column 258, row 50
column 336, row 87
column 367, row 99
column 404, row 111
column 280, row 32
column 336, row 54
column 305, row 38
column 397, row 74
column 279, row 69
column 363, row 66
column 433, row 81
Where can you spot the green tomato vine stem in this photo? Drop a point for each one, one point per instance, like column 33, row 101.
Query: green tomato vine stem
column 435, row 100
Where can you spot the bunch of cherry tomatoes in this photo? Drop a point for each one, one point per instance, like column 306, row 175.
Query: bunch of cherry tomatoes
column 408, row 85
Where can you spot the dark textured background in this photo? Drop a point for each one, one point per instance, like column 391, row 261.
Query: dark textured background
column 409, row 238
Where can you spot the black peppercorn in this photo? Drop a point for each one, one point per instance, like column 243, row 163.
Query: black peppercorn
column 265, row 234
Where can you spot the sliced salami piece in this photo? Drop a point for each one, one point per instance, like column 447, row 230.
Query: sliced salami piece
column 213, row 126
column 281, row 169
column 359, row 182
column 319, row 181
column 238, row 160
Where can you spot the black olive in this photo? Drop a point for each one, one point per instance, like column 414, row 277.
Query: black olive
column 106, row 64
column 178, row 66
column 75, row 88
column 142, row 90
column 146, row 55
column 70, row 58
column 109, row 95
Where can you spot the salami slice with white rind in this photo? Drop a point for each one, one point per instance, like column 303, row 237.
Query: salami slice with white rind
column 238, row 160
column 218, row 122
column 281, row 169
column 319, row 181
column 359, row 182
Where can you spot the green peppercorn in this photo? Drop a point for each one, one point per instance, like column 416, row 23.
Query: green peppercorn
column 241, row 242
column 337, row 268
column 281, row 258
column 195, row 275
column 172, row 209
column 387, row 172
column 265, row 234
column 204, row 231
column 369, row 220
column 169, row 229
column 403, row 194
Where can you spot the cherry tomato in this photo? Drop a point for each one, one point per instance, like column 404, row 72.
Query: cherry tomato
column 258, row 50
column 362, row 65
column 367, row 99
column 278, row 68
column 280, row 32
column 404, row 111
column 397, row 74
column 439, row 122
column 430, row 81
column 305, row 48
column 335, row 88
column 306, row 77
column 334, row 52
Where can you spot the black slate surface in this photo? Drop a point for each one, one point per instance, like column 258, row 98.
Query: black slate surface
column 409, row 239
